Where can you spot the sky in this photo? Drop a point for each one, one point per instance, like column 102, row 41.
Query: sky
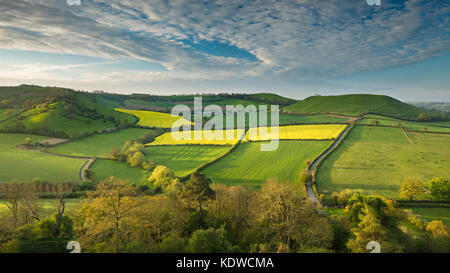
column 292, row 48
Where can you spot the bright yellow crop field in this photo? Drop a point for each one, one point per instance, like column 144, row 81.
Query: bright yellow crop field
column 319, row 131
column 205, row 138
column 154, row 119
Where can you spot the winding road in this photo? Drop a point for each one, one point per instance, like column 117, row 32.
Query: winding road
column 309, row 187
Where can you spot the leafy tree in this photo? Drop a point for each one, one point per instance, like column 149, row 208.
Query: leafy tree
column 64, row 224
column 196, row 191
column 438, row 229
column 369, row 229
column 136, row 159
column 209, row 241
column 440, row 188
column 411, row 189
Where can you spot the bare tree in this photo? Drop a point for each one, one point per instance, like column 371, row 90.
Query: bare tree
column 60, row 191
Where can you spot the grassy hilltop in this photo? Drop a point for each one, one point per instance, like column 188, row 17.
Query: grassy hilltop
column 357, row 104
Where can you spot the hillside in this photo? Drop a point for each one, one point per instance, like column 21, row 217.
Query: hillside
column 357, row 104
column 56, row 112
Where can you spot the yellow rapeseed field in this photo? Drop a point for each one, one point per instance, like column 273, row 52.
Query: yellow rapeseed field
column 154, row 119
column 319, row 131
column 206, row 137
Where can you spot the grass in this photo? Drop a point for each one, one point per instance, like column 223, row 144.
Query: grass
column 247, row 165
column 356, row 104
column 430, row 214
column 99, row 145
column 154, row 119
column 25, row 165
column 413, row 126
column 103, row 169
column 318, row 132
column 184, row 159
column 48, row 206
column 285, row 119
column 377, row 159
column 201, row 139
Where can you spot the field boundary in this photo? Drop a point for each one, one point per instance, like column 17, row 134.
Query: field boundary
column 200, row 168
column 314, row 166
column 409, row 139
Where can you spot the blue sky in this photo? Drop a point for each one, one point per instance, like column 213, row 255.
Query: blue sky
column 293, row 48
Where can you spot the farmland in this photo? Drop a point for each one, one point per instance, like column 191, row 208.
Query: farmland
column 412, row 126
column 431, row 213
column 99, row 145
column 104, row 169
column 25, row 165
column 247, row 165
column 377, row 159
column 184, row 159
column 154, row 119
column 206, row 137
column 311, row 132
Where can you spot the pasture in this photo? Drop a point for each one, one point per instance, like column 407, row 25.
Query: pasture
column 99, row 145
column 183, row 160
column 103, row 169
column 154, row 119
column 430, row 213
column 377, row 159
column 296, row 132
column 409, row 125
column 200, row 137
column 247, row 165
column 25, row 165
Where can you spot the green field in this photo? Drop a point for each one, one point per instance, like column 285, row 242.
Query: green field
column 247, row 165
column 25, row 165
column 377, row 159
column 356, row 104
column 103, row 169
column 184, row 159
column 48, row 206
column 430, row 214
column 99, row 145
column 409, row 125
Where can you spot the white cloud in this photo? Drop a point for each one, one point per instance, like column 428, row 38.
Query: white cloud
column 291, row 39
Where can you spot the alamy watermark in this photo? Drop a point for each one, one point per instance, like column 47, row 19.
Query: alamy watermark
column 214, row 128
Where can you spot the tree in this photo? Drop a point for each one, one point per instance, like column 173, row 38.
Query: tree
column 411, row 189
column 369, row 229
column 164, row 178
column 9, row 112
column 106, row 214
column 209, row 241
column 438, row 229
column 440, row 188
column 196, row 191
column 281, row 215
column 60, row 191
column 12, row 195
column 136, row 159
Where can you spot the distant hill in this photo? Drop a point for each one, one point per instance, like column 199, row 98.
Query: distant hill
column 358, row 104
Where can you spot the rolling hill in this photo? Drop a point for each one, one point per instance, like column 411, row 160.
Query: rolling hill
column 57, row 112
column 357, row 104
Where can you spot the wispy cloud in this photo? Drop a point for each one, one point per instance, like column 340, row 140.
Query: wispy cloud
column 300, row 40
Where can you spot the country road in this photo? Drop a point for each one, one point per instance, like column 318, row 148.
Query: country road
column 86, row 166
column 309, row 188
